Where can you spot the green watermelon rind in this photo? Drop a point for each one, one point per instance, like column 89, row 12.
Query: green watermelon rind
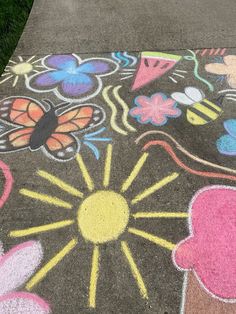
column 153, row 54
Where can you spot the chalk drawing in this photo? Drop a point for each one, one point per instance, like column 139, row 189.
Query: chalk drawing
column 8, row 184
column 26, row 258
column 227, row 68
column 70, row 78
column 193, row 58
column 114, row 111
column 226, row 144
column 124, row 59
column 184, row 151
column 210, row 248
column 103, row 216
column 230, row 94
column 167, row 147
column 50, row 130
column 153, row 65
column 177, row 75
column 200, row 110
column 210, row 52
column 155, row 109
column 20, row 68
column 91, row 137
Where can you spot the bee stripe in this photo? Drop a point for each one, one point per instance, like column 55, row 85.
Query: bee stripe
column 208, row 112
column 217, row 108
column 192, row 116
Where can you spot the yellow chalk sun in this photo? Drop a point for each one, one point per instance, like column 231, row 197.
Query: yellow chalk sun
column 101, row 216
column 20, row 68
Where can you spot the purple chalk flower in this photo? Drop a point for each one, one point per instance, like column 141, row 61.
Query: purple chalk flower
column 71, row 78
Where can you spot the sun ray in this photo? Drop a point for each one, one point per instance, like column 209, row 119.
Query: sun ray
column 51, row 264
column 160, row 215
column 20, row 58
column 28, row 60
column 15, row 81
column 94, row 277
column 39, row 229
column 107, row 170
column 36, row 71
column 154, row 187
column 88, row 180
column 134, row 172
column 152, row 238
column 60, row 183
column 134, row 269
column 5, row 74
column 36, row 61
column 11, row 61
column 7, row 78
column 45, row 198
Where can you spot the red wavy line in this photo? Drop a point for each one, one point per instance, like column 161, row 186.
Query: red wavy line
column 170, row 151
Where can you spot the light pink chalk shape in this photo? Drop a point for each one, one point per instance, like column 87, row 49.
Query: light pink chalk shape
column 23, row 303
column 210, row 250
column 7, row 184
column 18, row 265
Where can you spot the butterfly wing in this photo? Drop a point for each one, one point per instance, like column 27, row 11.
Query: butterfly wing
column 62, row 147
column 15, row 139
column 80, row 118
column 21, row 111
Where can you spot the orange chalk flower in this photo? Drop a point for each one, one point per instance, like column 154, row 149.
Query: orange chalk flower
column 228, row 68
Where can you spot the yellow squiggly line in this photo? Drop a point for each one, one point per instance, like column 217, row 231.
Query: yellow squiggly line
column 125, row 109
column 113, row 111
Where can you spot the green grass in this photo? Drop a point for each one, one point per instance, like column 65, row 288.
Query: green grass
column 13, row 16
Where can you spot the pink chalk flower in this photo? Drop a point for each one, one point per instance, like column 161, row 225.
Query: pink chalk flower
column 210, row 250
column 16, row 267
column 155, row 109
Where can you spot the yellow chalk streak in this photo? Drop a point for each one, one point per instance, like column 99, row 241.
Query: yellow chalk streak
column 45, row 198
column 134, row 269
column 154, row 187
column 107, row 170
column 7, row 78
column 43, row 228
column 150, row 237
column 88, row 180
column 134, row 172
column 113, row 111
column 160, row 215
column 15, row 81
column 51, row 264
column 94, row 277
column 61, row 184
column 125, row 109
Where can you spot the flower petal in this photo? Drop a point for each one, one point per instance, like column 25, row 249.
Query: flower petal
column 77, row 85
column 48, row 79
column 18, row 265
column 96, row 66
column 22, row 303
column 217, row 68
column 226, row 145
column 230, row 126
column 61, row 62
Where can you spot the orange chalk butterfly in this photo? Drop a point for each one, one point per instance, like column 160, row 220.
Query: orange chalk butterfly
column 50, row 128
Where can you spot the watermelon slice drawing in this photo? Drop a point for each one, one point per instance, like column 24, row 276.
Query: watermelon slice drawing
column 153, row 65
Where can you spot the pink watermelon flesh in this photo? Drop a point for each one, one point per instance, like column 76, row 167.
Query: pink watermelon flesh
column 151, row 68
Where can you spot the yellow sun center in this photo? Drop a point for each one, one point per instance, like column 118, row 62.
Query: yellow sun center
column 103, row 216
column 22, row 68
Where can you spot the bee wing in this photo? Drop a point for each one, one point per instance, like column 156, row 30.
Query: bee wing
column 181, row 98
column 194, row 93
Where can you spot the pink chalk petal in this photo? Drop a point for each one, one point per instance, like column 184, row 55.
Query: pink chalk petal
column 18, row 265
column 23, row 303
column 184, row 254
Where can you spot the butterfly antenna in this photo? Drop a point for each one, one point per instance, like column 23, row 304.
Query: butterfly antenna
column 49, row 103
column 220, row 100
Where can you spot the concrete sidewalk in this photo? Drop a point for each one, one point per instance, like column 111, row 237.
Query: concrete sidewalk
column 117, row 151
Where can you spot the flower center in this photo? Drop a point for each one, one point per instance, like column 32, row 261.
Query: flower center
column 22, row 68
column 103, row 216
